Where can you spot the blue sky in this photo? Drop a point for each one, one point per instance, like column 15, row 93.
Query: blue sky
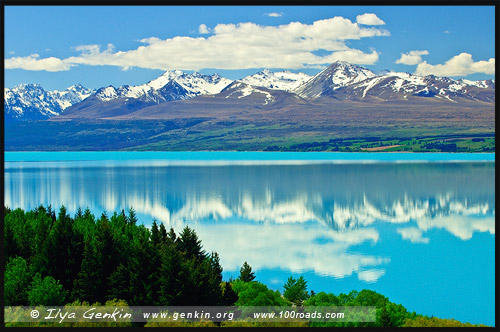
column 58, row 46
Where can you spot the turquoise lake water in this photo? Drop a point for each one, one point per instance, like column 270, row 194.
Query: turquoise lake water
column 248, row 156
column 418, row 228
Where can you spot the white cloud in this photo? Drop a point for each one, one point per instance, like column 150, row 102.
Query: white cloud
column 459, row 65
column 88, row 49
column 293, row 248
column 150, row 40
column 370, row 275
column 413, row 234
column 241, row 46
column 203, row 29
column 462, row 226
column 369, row 19
column 412, row 57
column 32, row 62
column 274, row 14
column 352, row 56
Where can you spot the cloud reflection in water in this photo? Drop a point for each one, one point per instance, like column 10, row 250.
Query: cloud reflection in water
column 293, row 217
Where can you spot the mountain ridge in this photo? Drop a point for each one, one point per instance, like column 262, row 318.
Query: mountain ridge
column 32, row 102
column 341, row 81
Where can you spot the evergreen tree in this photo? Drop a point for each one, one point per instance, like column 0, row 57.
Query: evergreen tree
column 190, row 245
column 246, row 273
column 121, row 240
column 85, row 226
column 295, row 290
column 79, row 213
column 140, row 290
column 86, row 284
column 163, row 233
column 143, row 264
column 171, row 236
column 155, row 234
column 119, row 283
column 64, row 250
column 51, row 213
column 211, row 274
column 107, row 256
column 132, row 217
column 229, row 297
column 171, row 280
column 18, row 234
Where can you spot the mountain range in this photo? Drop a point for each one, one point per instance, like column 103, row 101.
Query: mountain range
column 198, row 95
column 343, row 108
column 32, row 102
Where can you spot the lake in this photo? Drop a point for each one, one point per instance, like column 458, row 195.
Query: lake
column 417, row 228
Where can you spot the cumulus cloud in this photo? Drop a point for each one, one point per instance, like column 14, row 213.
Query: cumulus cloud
column 459, row 65
column 203, row 29
column 462, row 227
column 369, row 19
column 413, row 234
column 412, row 57
column 32, row 62
column 274, row 14
column 240, row 46
column 293, row 247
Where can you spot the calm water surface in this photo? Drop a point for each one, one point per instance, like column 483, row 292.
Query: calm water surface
column 418, row 228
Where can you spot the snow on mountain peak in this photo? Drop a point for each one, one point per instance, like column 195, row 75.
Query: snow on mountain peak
column 337, row 75
column 355, row 82
column 341, row 79
column 162, row 80
column 195, row 84
column 282, row 80
column 199, row 84
column 241, row 89
column 343, row 73
column 480, row 84
column 107, row 93
column 32, row 102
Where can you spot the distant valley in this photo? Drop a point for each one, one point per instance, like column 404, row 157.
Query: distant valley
column 343, row 108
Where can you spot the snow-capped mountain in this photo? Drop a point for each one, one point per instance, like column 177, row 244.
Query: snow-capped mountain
column 282, row 80
column 404, row 86
column 28, row 102
column 345, row 81
column 335, row 76
column 340, row 81
column 172, row 85
column 241, row 90
column 246, row 95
